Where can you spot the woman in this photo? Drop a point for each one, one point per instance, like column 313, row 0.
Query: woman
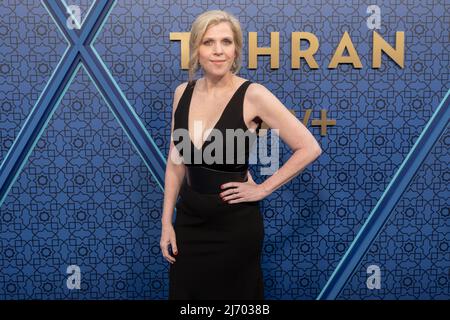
column 214, row 246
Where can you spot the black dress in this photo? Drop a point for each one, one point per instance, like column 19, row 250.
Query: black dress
column 219, row 244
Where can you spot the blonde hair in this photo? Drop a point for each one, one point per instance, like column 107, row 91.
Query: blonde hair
column 198, row 30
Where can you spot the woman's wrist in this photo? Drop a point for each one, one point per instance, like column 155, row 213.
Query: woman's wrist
column 166, row 222
column 265, row 189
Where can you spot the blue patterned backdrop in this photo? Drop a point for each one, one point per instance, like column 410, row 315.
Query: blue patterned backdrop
column 85, row 127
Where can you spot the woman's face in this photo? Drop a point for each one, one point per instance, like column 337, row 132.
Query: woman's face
column 217, row 49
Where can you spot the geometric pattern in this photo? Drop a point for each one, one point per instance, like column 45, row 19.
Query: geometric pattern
column 89, row 190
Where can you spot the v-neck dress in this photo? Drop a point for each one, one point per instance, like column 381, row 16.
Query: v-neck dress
column 219, row 244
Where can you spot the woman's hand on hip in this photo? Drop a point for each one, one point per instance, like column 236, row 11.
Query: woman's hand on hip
column 242, row 191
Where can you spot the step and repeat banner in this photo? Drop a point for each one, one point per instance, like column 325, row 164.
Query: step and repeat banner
column 86, row 93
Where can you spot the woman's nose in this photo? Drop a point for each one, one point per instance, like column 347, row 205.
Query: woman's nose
column 218, row 48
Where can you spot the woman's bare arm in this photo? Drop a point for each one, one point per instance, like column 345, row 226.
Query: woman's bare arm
column 174, row 172
column 292, row 132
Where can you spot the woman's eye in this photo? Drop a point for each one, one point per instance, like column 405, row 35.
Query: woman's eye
column 209, row 41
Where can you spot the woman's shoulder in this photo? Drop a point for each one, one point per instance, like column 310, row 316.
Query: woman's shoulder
column 181, row 87
column 179, row 90
column 256, row 90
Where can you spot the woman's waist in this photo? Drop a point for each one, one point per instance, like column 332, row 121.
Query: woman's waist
column 209, row 180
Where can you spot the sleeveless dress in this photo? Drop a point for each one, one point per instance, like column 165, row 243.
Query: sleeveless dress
column 219, row 244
